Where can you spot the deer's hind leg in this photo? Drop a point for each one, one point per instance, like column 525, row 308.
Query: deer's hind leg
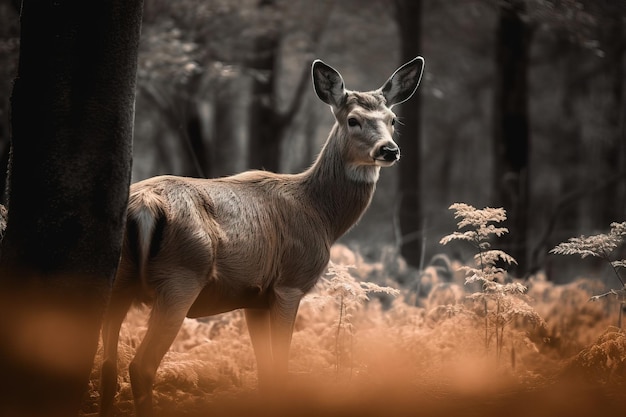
column 122, row 297
column 175, row 295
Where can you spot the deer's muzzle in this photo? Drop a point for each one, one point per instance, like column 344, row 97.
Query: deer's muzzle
column 388, row 153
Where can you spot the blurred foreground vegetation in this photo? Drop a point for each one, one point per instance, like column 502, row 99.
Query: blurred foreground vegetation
column 397, row 354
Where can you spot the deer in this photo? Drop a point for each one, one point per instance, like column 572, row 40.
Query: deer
column 257, row 241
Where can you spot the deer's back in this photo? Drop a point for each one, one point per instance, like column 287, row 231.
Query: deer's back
column 243, row 235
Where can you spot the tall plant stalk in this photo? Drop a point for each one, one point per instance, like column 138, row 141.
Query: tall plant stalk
column 506, row 296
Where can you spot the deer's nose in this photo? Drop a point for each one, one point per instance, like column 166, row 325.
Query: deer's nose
column 389, row 152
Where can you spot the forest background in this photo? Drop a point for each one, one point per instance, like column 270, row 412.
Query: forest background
column 522, row 106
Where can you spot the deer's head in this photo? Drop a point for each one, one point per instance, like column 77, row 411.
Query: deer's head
column 364, row 120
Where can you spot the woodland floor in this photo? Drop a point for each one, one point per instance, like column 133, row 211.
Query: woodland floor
column 389, row 357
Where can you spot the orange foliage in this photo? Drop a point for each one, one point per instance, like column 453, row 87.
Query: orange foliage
column 400, row 359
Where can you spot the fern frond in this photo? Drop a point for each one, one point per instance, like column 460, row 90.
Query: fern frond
column 619, row 264
column 490, row 257
column 477, row 296
column 469, row 236
column 484, row 231
column 492, row 287
column 371, row 287
column 343, row 284
column 514, row 288
column 484, row 245
column 519, row 308
column 600, row 245
column 471, row 216
column 619, row 294
column 618, row 229
column 473, row 278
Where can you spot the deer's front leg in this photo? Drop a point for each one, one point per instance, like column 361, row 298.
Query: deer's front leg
column 283, row 311
column 258, row 321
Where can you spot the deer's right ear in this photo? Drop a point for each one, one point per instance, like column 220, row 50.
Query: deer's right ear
column 328, row 84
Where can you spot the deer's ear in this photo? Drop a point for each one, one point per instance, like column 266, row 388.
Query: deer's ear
column 328, row 84
column 403, row 82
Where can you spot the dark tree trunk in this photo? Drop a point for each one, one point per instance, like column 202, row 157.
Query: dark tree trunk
column 196, row 144
column 571, row 133
column 615, row 38
column 267, row 123
column 266, row 127
column 72, row 123
column 511, row 128
column 9, row 31
column 564, row 219
column 183, row 124
column 409, row 18
column 4, row 164
column 229, row 147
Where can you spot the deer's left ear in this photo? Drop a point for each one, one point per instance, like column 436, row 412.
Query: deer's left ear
column 403, row 83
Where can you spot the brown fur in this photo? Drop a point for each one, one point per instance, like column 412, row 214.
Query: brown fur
column 257, row 240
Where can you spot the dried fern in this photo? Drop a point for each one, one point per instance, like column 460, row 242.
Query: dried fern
column 601, row 246
column 501, row 302
column 604, row 361
column 351, row 294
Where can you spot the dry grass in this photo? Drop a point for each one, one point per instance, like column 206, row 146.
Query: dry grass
column 399, row 360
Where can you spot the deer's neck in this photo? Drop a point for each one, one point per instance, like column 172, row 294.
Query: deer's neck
column 341, row 193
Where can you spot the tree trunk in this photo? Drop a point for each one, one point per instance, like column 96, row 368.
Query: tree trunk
column 615, row 162
column 9, row 31
column 72, row 124
column 229, row 145
column 409, row 17
column 511, row 128
column 268, row 124
column 194, row 137
column 265, row 124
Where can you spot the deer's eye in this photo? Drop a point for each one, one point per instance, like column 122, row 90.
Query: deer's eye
column 352, row 122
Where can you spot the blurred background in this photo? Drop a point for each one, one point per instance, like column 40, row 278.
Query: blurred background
column 522, row 106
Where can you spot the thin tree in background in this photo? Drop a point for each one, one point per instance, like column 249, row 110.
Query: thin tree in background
column 612, row 34
column 588, row 49
column 265, row 124
column 511, row 126
column 409, row 18
column 72, row 122
column 268, row 122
